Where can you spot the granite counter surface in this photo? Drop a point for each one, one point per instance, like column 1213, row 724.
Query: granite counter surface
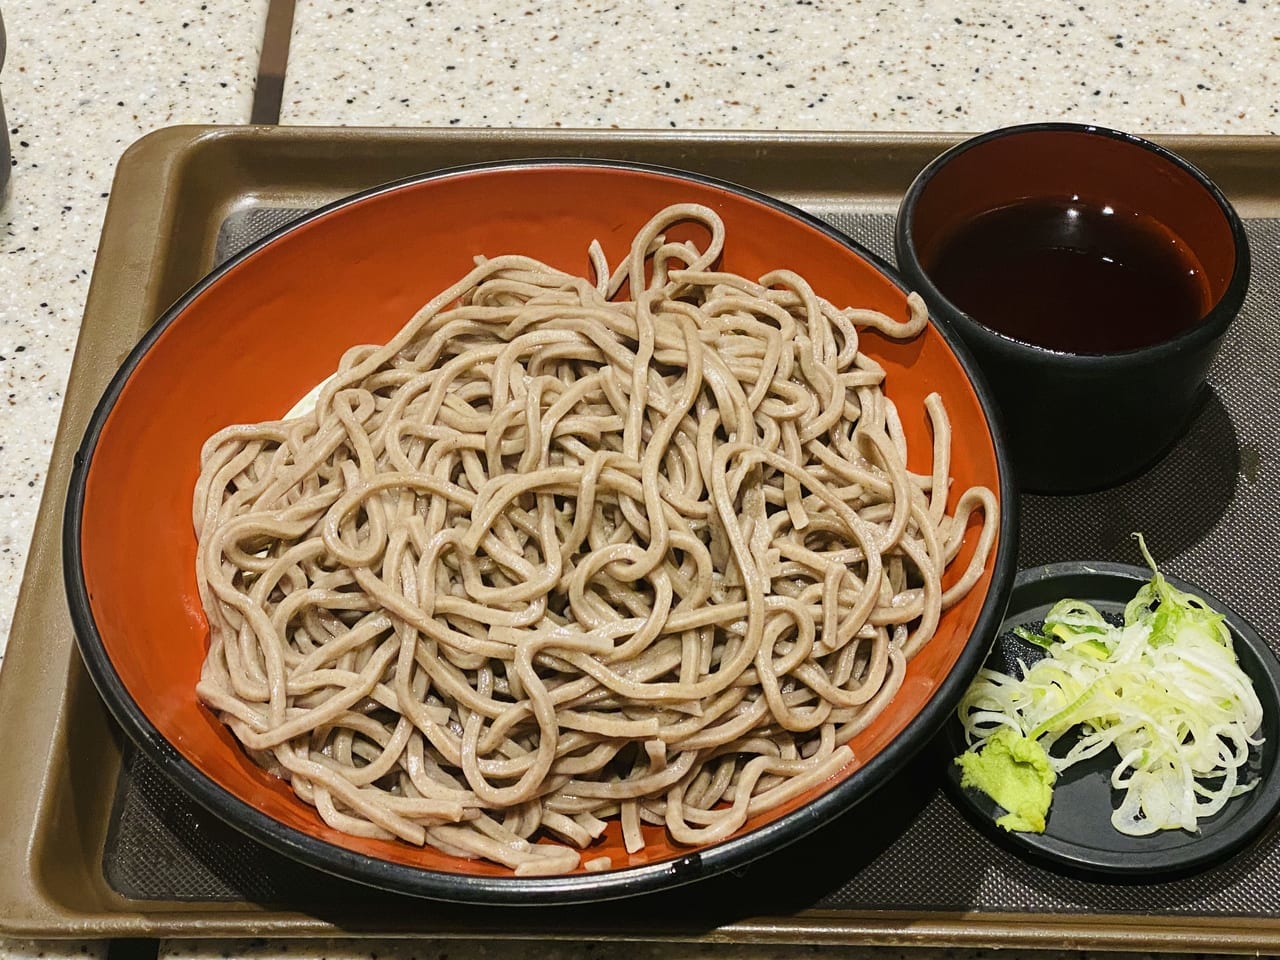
column 1185, row 66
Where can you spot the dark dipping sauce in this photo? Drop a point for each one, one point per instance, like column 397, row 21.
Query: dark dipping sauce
column 1072, row 276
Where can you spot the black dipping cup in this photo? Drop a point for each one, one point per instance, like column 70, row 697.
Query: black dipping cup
column 1076, row 420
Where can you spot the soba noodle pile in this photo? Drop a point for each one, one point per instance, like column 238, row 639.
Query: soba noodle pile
column 554, row 555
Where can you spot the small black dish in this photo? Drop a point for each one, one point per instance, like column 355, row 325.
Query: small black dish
column 1078, row 837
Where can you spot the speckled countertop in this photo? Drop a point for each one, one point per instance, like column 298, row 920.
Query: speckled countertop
column 1195, row 66
column 84, row 78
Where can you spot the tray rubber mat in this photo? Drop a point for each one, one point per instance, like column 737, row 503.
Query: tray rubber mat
column 1209, row 514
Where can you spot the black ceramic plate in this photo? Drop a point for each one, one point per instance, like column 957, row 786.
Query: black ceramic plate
column 1079, row 837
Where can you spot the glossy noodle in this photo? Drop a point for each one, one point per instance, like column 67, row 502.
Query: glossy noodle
column 641, row 545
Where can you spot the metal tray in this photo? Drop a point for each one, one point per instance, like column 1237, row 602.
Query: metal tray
column 183, row 197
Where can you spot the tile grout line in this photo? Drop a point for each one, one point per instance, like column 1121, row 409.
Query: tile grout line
column 129, row 948
column 268, row 91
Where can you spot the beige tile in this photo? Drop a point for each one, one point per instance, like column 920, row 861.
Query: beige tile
column 1178, row 66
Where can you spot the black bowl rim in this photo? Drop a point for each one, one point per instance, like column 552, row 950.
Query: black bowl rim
column 1211, row 326
column 511, row 890
column 1091, row 864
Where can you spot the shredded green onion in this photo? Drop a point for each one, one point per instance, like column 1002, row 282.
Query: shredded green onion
column 1164, row 689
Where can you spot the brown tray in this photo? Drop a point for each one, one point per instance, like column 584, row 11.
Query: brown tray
column 174, row 195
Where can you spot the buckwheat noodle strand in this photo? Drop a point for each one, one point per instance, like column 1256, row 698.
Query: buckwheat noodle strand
column 555, row 554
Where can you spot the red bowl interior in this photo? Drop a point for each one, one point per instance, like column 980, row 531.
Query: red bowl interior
column 255, row 339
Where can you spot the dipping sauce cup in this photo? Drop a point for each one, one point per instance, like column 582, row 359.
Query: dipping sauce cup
column 1093, row 274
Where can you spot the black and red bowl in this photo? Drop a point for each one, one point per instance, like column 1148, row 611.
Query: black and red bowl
column 252, row 338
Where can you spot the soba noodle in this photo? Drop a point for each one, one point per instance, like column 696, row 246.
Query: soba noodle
column 555, row 555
